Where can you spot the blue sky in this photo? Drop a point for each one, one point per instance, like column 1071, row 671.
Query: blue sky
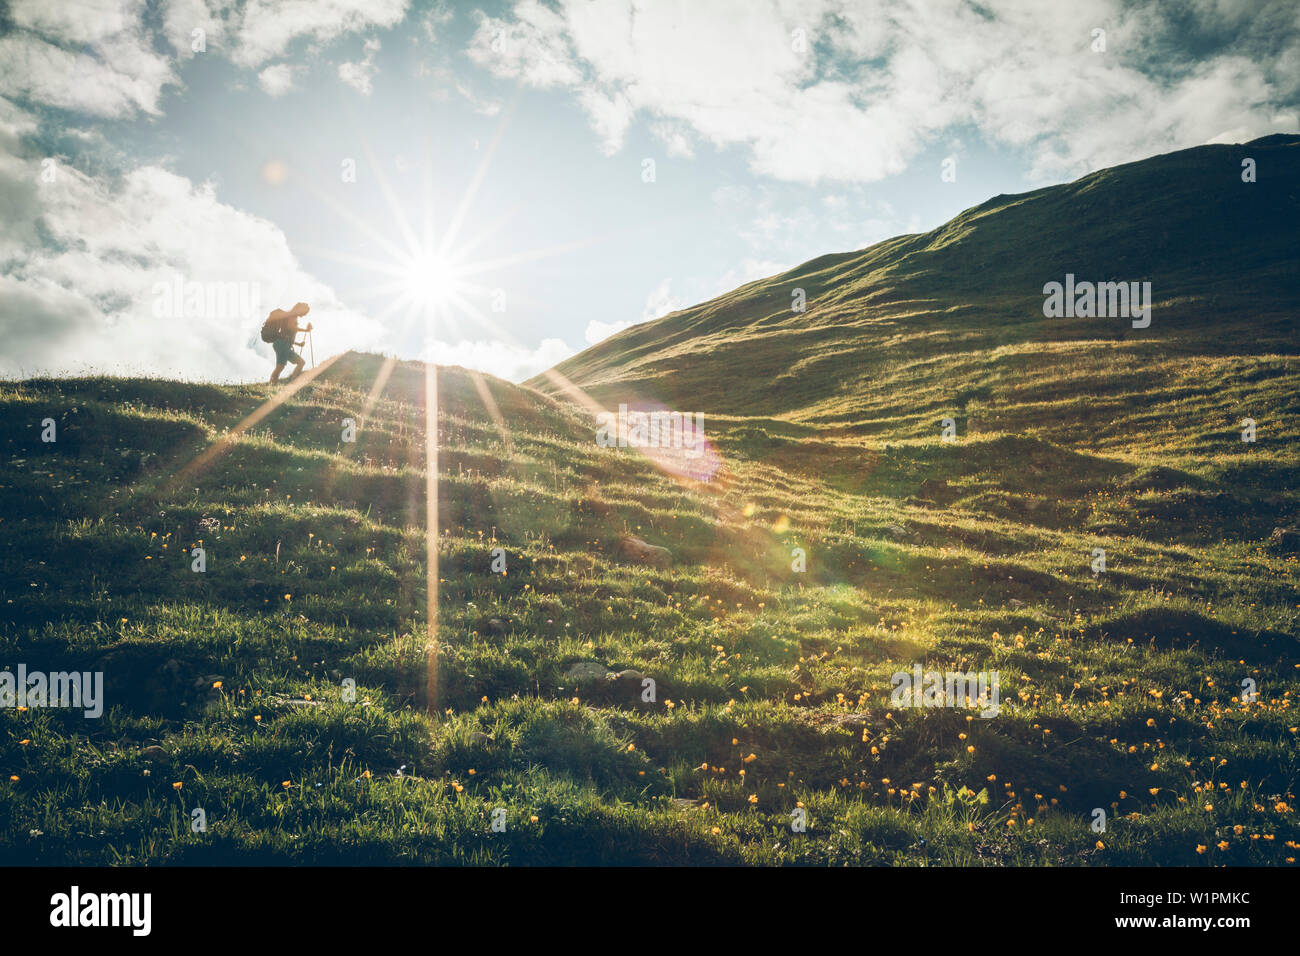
column 519, row 132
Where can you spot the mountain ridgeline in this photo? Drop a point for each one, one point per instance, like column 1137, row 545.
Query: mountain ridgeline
column 1220, row 252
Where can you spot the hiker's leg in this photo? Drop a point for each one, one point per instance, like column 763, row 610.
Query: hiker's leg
column 298, row 365
column 284, row 354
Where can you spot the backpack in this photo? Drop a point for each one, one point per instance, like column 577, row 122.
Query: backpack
column 271, row 328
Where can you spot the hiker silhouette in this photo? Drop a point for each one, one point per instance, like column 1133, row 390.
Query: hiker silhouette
column 279, row 329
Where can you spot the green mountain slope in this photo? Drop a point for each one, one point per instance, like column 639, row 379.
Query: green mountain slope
column 1221, row 255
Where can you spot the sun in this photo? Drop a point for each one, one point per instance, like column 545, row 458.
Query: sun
column 430, row 281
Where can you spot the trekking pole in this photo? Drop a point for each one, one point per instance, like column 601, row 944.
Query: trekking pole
column 311, row 344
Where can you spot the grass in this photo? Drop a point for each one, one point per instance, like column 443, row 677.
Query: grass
column 1120, row 691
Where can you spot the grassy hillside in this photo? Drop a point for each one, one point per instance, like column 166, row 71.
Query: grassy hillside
column 1119, row 691
column 957, row 313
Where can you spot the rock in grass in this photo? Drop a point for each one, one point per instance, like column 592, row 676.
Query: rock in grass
column 933, row 487
column 858, row 722
column 154, row 754
column 1285, row 539
column 851, row 721
column 640, row 552
column 626, row 682
column 586, row 672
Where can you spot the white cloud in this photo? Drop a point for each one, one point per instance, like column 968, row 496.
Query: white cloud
column 98, row 56
column 875, row 85
column 610, row 117
column 359, row 75
column 599, row 331
column 267, row 27
column 434, row 19
column 675, row 138
column 14, row 123
column 532, row 47
column 658, row 303
column 181, row 18
column 87, row 21
column 502, row 359
column 92, row 296
column 277, row 79
column 115, row 73
column 252, row 32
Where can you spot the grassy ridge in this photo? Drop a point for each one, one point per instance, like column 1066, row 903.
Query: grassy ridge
column 1119, row 691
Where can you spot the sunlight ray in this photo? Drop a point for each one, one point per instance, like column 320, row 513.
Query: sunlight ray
column 354, row 220
column 532, row 255
column 431, row 533
column 471, row 192
column 494, row 412
column 381, row 380
column 396, row 208
column 200, row 462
